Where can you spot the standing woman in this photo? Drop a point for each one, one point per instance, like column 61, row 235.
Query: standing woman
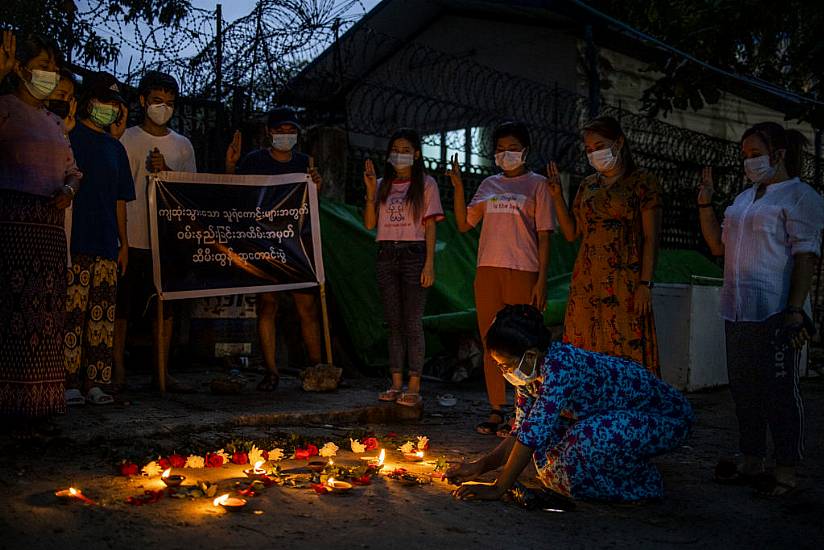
column 513, row 253
column 404, row 205
column 617, row 213
column 770, row 241
column 38, row 178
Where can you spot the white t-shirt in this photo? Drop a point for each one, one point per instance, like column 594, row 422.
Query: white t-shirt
column 180, row 157
column 760, row 239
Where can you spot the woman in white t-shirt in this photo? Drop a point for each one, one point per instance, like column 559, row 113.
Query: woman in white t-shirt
column 404, row 205
column 770, row 240
column 513, row 252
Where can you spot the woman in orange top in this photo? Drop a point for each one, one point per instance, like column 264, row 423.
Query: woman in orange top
column 617, row 214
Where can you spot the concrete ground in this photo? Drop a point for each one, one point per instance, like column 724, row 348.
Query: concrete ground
column 697, row 513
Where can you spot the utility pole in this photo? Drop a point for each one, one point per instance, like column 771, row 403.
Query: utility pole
column 219, row 53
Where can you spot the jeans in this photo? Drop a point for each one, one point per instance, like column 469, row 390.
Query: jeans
column 399, row 267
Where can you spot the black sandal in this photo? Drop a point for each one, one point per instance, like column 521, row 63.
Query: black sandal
column 270, row 382
column 491, row 428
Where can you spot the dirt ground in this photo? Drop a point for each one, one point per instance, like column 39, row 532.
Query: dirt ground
column 696, row 513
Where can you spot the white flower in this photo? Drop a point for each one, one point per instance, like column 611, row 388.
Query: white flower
column 423, row 442
column 330, row 449
column 276, row 454
column 357, row 446
column 194, row 461
column 407, row 448
column 255, row 455
column 152, row 469
column 226, row 458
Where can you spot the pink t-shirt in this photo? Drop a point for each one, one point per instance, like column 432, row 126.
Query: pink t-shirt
column 396, row 217
column 513, row 211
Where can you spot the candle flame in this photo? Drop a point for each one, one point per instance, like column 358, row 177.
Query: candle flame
column 382, row 457
column 221, row 499
column 166, row 473
column 258, row 464
column 73, row 491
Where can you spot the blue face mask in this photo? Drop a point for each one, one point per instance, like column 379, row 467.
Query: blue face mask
column 526, row 372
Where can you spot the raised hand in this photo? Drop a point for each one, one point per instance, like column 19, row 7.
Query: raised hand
column 233, row 151
column 454, row 172
column 706, row 188
column 8, row 48
column 553, row 177
column 370, row 180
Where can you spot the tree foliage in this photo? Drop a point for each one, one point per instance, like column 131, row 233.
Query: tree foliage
column 780, row 43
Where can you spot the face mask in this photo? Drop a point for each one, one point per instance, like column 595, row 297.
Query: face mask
column 509, row 160
column 284, row 142
column 160, row 113
column 518, row 377
column 60, row 107
column 42, row 83
column 401, row 160
column 603, row 160
column 102, row 114
column 759, row 169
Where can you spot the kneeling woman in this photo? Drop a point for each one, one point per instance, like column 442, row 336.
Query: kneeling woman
column 590, row 421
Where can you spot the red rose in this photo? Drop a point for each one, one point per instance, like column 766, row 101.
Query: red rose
column 214, row 460
column 240, row 458
column 128, row 469
column 302, row 453
column 164, row 463
column 371, row 443
column 313, row 450
column 177, row 461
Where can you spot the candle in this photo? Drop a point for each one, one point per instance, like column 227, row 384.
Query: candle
column 172, row 480
column 71, row 493
column 232, row 504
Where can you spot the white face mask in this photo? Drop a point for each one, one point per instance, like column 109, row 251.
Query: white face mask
column 42, row 83
column 759, row 169
column 518, row 376
column 603, row 160
column 159, row 113
column 401, row 160
column 509, row 160
column 284, row 142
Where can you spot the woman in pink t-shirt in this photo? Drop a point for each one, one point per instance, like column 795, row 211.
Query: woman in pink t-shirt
column 513, row 252
column 404, row 205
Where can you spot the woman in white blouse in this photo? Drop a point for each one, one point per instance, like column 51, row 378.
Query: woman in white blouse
column 770, row 240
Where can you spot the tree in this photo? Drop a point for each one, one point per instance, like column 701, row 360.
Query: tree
column 76, row 29
column 779, row 43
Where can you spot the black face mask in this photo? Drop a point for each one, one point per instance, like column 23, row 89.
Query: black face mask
column 60, row 107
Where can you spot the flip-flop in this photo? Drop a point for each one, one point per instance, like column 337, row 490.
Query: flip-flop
column 447, row 400
column 96, row 396
column 390, row 395
column 74, row 397
column 409, row 399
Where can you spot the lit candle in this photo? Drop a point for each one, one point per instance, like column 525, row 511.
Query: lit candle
column 232, row 504
column 171, row 480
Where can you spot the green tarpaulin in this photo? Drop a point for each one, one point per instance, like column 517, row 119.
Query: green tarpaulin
column 349, row 259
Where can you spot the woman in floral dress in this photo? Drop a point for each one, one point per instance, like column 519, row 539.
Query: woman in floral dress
column 617, row 214
column 591, row 422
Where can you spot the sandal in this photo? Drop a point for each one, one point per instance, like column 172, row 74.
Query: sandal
column 74, row 397
column 270, row 382
column 491, row 428
column 728, row 473
column 390, row 395
column 96, row 396
column 409, row 399
column 769, row 487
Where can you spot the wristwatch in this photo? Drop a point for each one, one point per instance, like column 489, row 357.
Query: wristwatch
column 648, row 284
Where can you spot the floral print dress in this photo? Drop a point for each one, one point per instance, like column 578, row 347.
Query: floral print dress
column 593, row 422
column 600, row 313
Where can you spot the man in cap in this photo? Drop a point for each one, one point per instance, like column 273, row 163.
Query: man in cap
column 280, row 158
